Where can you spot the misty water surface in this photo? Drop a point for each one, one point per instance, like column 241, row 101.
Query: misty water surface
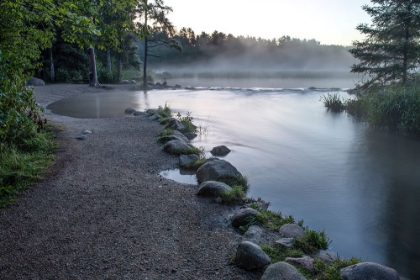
column 360, row 185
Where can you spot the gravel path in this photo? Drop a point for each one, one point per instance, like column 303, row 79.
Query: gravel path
column 103, row 212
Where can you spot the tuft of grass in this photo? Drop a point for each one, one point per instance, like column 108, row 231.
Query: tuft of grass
column 241, row 181
column 19, row 168
column 235, row 195
column 330, row 271
column 163, row 136
column 187, row 121
column 273, row 220
column 279, row 253
column 196, row 164
column 312, row 242
column 164, row 112
column 333, row 102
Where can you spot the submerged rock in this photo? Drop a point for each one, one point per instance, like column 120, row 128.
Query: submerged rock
column 220, row 151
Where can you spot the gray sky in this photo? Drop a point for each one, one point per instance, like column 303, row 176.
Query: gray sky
column 327, row 21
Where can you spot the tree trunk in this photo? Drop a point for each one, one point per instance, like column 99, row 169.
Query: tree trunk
column 145, row 50
column 145, row 63
column 108, row 60
column 93, row 76
column 119, row 66
column 52, row 70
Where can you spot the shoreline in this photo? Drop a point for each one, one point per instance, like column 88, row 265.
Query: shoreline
column 73, row 155
column 103, row 211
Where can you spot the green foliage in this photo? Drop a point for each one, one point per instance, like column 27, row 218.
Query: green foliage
column 279, row 253
column 395, row 108
column 164, row 112
column 241, row 181
column 20, row 118
column 312, row 242
column 333, row 102
column 235, row 195
column 104, row 76
column 330, row 271
column 187, row 121
column 391, row 49
column 19, row 168
column 196, row 164
column 273, row 220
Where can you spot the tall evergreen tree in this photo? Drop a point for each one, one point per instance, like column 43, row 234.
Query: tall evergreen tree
column 390, row 53
column 154, row 13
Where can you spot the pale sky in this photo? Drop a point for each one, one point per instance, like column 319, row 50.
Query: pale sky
column 327, row 21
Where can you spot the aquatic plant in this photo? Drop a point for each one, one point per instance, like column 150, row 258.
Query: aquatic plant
column 334, row 102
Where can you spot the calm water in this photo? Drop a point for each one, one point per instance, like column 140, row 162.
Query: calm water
column 360, row 185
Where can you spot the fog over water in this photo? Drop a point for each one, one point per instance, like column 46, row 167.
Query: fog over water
column 358, row 184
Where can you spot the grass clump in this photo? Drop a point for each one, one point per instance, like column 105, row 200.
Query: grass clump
column 196, row 164
column 187, row 122
column 330, row 271
column 394, row 108
column 333, row 102
column 235, row 195
column 241, row 181
column 21, row 167
column 273, row 220
column 312, row 242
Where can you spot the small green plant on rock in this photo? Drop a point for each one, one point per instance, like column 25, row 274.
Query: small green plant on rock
column 187, row 122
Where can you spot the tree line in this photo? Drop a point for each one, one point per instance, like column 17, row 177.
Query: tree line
column 219, row 50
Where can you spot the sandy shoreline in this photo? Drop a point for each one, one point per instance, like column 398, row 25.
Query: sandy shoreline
column 103, row 212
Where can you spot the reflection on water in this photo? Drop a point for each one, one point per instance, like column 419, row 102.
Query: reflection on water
column 359, row 185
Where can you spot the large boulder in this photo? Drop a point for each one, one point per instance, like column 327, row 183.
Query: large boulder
column 250, row 256
column 291, row 230
column 212, row 188
column 177, row 147
column 35, row 82
column 220, row 151
column 217, row 170
column 243, row 217
column 368, row 271
column 186, row 160
column 282, row 271
column 253, row 234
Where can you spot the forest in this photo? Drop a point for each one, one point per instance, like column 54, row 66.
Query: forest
column 204, row 52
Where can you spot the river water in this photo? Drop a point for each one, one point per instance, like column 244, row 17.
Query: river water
column 360, row 185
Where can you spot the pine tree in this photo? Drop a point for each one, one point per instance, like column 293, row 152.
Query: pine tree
column 390, row 53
